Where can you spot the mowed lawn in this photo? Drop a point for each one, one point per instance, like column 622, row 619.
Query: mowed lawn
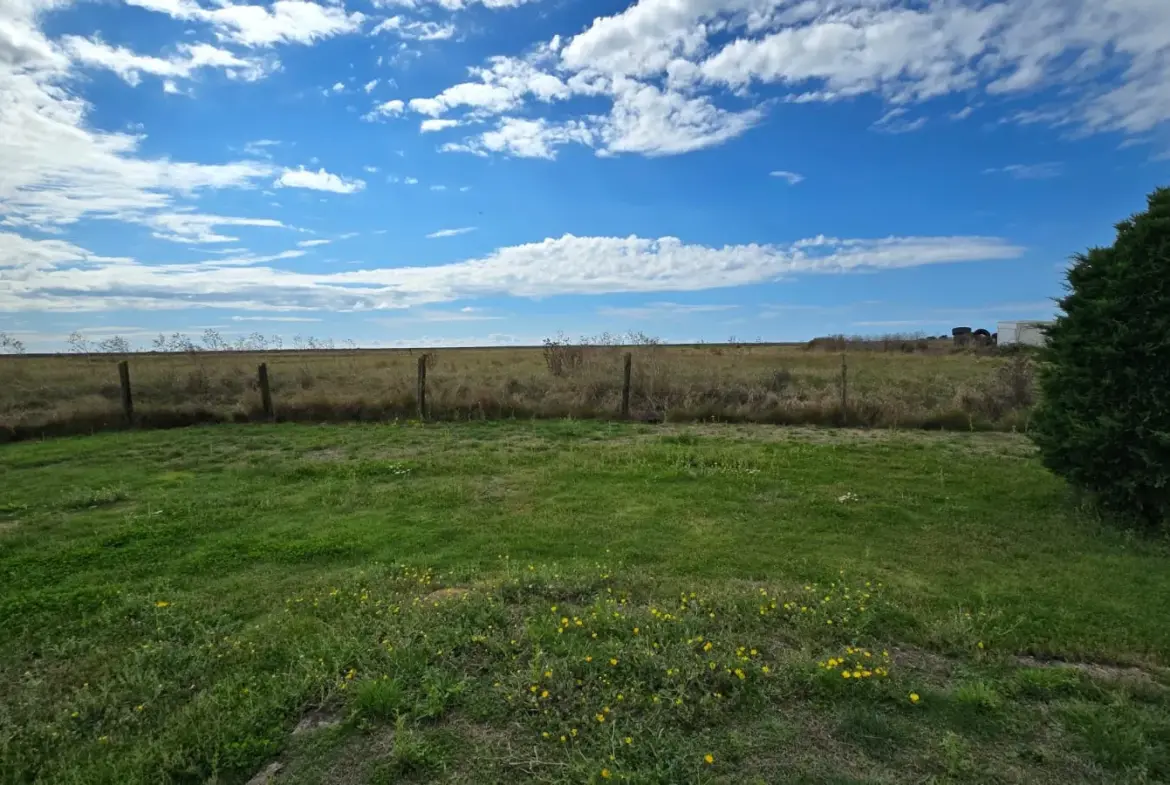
column 569, row 602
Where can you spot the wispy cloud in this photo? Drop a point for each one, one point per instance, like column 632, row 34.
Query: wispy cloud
column 661, row 309
column 1041, row 171
column 791, row 177
column 313, row 243
column 429, row 315
column 274, row 319
column 450, row 232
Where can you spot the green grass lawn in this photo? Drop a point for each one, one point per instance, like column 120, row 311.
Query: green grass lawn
column 569, row 602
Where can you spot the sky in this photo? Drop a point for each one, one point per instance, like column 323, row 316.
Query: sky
column 482, row 172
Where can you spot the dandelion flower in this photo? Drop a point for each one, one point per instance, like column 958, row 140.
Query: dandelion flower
column 161, row 604
column 613, row 661
column 709, row 758
column 629, row 740
column 914, row 697
column 605, row 774
column 600, row 717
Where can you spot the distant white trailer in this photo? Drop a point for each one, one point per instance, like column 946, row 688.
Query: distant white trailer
column 1026, row 333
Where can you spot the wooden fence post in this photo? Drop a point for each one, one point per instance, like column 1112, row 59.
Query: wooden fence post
column 265, row 390
column 844, row 391
column 127, row 398
column 422, row 387
column 626, row 386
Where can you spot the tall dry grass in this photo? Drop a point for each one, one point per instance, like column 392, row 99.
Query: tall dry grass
column 782, row 384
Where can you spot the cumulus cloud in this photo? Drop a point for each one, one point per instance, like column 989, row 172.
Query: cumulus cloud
column 391, row 108
column 319, row 180
column 525, row 138
column 436, row 124
column 666, row 66
column 51, row 275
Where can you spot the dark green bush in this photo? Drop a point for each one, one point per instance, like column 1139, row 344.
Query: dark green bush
column 1104, row 419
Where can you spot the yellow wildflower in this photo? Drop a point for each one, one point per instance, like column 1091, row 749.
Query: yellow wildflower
column 605, row 774
column 914, row 697
column 709, row 758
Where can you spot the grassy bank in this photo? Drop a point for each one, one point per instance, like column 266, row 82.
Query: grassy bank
column 569, row 602
column 745, row 383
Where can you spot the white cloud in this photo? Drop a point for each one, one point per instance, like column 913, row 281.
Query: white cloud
column 415, row 30
column 436, row 124
column 319, row 180
column 130, row 66
column 56, row 168
column 661, row 310
column 370, row 169
column 450, row 232
column 198, row 228
column 1040, row 171
column 1099, row 65
column 313, row 243
column 428, row 315
column 391, row 108
column 647, row 120
column 369, row 86
column 51, row 275
column 525, row 138
column 282, row 22
column 337, row 87
column 453, row 5
column 792, row 178
column 438, row 188
column 275, row 319
column 895, row 122
column 502, row 85
column 259, row 147
column 410, row 180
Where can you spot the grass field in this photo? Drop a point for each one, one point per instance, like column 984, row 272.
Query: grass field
column 569, row 602
column 779, row 384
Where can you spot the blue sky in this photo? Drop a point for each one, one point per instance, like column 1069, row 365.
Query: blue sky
column 460, row 172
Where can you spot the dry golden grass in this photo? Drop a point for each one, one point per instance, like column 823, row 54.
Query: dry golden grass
column 783, row 384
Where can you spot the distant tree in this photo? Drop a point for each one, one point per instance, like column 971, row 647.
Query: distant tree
column 1103, row 422
column 77, row 343
column 115, row 344
column 213, row 341
column 10, row 345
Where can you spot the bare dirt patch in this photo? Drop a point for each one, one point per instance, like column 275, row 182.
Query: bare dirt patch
column 317, row 719
column 1096, row 671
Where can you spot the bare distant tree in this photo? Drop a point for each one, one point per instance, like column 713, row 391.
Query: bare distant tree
column 159, row 344
column 276, row 342
column 213, row 341
column 115, row 344
column 10, row 345
column 77, row 343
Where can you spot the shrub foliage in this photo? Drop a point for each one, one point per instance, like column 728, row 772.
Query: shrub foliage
column 1104, row 420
